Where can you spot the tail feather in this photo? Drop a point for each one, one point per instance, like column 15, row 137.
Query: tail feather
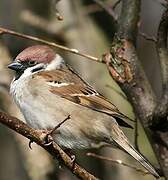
column 139, row 157
column 122, row 142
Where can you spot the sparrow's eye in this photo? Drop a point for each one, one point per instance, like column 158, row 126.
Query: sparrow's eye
column 32, row 63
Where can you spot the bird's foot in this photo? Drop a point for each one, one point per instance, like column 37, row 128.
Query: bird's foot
column 30, row 144
column 72, row 156
column 73, row 160
column 47, row 135
column 48, row 139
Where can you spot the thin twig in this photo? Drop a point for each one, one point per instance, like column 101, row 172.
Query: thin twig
column 38, row 137
column 93, row 8
column 57, row 13
column 136, row 134
column 118, row 162
column 59, row 125
column 107, row 9
column 41, row 23
column 148, row 38
column 74, row 51
column 116, row 4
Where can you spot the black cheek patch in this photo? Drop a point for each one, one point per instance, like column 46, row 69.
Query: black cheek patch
column 18, row 74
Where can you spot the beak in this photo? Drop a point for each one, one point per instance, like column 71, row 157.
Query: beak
column 16, row 66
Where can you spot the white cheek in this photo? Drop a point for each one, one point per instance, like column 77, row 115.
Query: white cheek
column 29, row 71
column 57, row 63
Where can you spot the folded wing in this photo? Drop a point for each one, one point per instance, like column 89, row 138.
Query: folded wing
column 76, row 90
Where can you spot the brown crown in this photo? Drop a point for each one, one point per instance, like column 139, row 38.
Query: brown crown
column 39, row 53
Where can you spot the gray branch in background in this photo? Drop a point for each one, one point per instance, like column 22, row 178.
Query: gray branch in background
column 107, row 9
column 161, row 112
column 160, row 118
column 129, row 19
column 125, row 67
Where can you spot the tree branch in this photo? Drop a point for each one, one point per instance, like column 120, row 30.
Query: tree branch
column 148, row 38
column 160, row 120
column 125, row 67
column 117, row 161
column 53, row 149
column 136, row 135
column 92, row 8
column 129, row 19
column 57, row 13
column 41, row 23
column 74, row 51
column 107, row 9
column 116, row 4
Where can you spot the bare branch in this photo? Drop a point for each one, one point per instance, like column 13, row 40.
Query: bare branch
column 148, row 38
column 107, row 9
column 118, row 162
column 92, row 8
column 161, row 113
column 129, row 19
column 41, row 23
column 125, row 67
column 159, row 123
column 57, row 13
column 116, row 4
column 53, row 148
column 136, row 135
column 74, row 51
column 59, row 125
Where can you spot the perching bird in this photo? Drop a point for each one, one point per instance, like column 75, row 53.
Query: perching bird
column 47, row 90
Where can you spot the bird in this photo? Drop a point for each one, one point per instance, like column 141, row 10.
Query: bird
column 47, row 90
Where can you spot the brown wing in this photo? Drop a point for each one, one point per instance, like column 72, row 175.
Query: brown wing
column 77, row 91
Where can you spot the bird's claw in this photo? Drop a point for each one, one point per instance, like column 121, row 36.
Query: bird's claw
column 73, row 157
column 73, row 160
column 30, row 143
column 48, row 139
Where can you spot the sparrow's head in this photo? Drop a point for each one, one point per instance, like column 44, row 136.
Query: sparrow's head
column 34, row 59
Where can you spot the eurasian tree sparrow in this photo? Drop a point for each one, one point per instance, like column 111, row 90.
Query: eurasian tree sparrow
column 47, row 90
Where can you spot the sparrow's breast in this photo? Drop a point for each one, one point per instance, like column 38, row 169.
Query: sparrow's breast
column 35, row 103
